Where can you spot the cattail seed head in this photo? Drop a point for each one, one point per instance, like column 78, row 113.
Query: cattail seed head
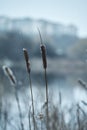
column 27, row 59
column 8, row 72
column 43, row 51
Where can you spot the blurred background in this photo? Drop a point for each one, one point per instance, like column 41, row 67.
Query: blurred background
column 62, row 24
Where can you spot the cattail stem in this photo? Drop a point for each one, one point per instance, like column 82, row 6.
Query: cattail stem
column 78, row 117
column 29, row 120
column 32, row 99
column 47, row 112
column 46, row 90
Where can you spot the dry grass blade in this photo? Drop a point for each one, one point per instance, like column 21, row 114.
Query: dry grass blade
column 40, row 36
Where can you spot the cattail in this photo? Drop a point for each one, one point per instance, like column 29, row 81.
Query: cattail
column 8, row 72
column 27, row 59
column 28, row 69
column 43, row 52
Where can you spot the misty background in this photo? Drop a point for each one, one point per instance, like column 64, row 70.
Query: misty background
column 63, row 29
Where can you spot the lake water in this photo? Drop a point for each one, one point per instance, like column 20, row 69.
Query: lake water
column 71, row 94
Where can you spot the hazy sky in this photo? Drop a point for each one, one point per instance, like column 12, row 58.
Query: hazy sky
column 64, row 11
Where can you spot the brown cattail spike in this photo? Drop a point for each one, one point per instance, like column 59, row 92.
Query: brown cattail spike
column 27, row 59
column 43, row 51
